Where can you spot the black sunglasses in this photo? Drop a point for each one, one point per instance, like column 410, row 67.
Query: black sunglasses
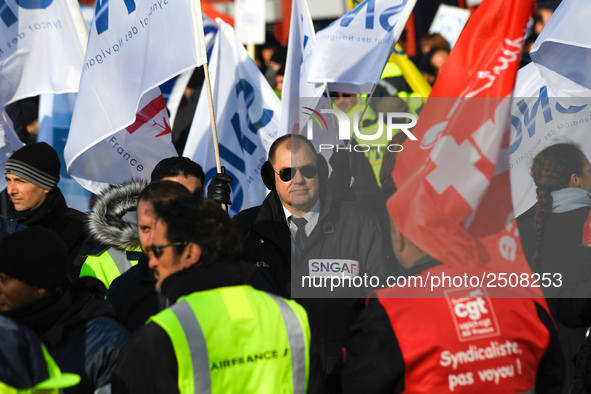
column 157, row 249
column 287, row 174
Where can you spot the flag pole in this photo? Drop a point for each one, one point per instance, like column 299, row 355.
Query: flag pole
column 198, row 19
column 336, row 133
column 325, row 84
column 201, row 51
column 375, row 86
column 363, row 112
column 410, row 72
column 366, row 105
column 214, row 130
column 250, row 48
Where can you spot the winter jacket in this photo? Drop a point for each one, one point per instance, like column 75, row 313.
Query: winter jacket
column 25, row 362
column 54, row 214
column 77, row 327
column 150, row 349
column 134, row 296
column 563, row 233
column 9, row 226
column 345, row 231
column 112, row 223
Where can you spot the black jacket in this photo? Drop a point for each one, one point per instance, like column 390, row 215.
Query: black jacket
column 563, row 233
column 22, row 364
column 77, row 328
column 54, row 214
column 574, row 308
column 135, row 298
column 344, row 231
column 134, row 295
column 148, row 363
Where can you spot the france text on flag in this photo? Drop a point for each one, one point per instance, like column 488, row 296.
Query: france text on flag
column 120, row 127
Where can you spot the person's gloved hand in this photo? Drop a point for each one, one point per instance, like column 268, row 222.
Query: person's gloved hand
column 219, row 188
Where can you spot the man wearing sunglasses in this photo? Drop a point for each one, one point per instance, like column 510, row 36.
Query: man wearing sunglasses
column 334, row 239
column 220, row 335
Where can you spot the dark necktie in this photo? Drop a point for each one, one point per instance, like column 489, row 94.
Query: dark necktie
column 300, row 237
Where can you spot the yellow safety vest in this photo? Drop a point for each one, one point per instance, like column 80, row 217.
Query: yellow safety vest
column 414, row 100
column 374, row 149
column 57, row 380
column 109, row 264
column 238, row 339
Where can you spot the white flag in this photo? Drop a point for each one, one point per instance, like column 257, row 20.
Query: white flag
column 295, row 84
column 247, row 114
column 120, row 128
column 552, row 97
column 9, row 142
column 41, row 49
column 537, row 121
column 210, row 29
column 55, row 116
column 352, row 51
column 562, row 52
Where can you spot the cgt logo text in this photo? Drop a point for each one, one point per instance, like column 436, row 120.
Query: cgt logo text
column 473, row 309
column 473, row 313
column 392, row 122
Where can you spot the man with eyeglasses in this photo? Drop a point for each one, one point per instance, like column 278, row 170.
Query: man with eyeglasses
column 301, row 235
column 220, row 336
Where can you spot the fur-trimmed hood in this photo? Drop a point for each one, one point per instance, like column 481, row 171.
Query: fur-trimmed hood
column 106, row 222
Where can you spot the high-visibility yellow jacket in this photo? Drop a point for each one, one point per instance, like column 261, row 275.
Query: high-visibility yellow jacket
column 56, row 380
column 238, row 339
column 109, row 264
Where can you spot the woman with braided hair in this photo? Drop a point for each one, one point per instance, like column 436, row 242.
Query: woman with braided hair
column 562, row 174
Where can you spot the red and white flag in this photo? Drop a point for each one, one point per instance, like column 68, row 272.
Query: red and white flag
column 454, row 196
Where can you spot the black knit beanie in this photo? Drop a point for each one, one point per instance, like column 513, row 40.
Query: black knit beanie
column 37, row 163
column 36, row 256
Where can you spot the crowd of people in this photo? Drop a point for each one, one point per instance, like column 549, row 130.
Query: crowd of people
column 158, row 290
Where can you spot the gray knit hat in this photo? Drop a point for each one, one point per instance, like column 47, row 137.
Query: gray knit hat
column 37, row 163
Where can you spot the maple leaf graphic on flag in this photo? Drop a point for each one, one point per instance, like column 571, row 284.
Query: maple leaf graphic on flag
column 152, row 117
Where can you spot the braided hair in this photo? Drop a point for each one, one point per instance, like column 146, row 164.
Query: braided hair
column 552, row 170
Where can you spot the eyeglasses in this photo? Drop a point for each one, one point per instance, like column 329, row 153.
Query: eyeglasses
column 287, row 174
column 157, row 249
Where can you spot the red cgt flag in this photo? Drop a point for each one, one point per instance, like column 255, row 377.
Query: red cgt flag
column 454, row 196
